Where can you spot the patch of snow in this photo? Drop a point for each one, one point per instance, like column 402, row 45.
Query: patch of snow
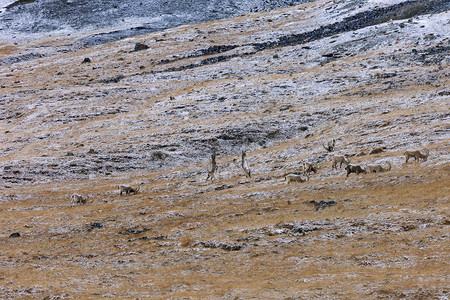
column 4, row 4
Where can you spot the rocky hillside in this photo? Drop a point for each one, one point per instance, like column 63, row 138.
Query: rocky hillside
column 22, row 19
column 373, row 75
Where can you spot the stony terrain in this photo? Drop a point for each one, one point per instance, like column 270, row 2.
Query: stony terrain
column 374, row 75
column 22, row 19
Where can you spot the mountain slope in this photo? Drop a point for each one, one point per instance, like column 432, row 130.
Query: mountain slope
column 278, row 84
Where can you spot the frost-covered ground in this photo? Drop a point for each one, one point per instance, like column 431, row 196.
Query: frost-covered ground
column 25, row 20
column 278, row 84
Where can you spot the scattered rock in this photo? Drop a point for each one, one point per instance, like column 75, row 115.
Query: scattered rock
column 134, row 231
column 322, row 204
column 159, row 155
column 293, row 228
column 14, row 235
column 376, row 151
column 221, row 245
column 157, row 237
column 86, row 60
column 20, row 58
column 140, row 46
column 113, row 80
column 224, row 187
column 408, row 227
column 94, row 225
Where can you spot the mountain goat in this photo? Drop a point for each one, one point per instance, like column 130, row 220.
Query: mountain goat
column 417, row 154
column 378, row 168
column 128, row 189
column 330, row 146
column 308, row 168
column 212, row 167
column 245, row 165
column 339, row 159
column 78, row 199
column 294, row 178
column 355, row 169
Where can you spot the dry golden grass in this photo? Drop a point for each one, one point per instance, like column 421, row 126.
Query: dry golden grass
column 386, row 238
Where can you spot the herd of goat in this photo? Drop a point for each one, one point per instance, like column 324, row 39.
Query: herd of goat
column 302, row 176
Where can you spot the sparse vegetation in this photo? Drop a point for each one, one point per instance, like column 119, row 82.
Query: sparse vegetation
column 331, row 237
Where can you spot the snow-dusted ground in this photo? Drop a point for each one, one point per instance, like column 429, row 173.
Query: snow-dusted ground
column 5, row 3
column 150, row 118
column 42, row 18
column 376, row 60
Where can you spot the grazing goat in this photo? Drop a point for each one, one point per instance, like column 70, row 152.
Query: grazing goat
column 417, row 154
column 378, row 168
column 128, row 189
column 294, row 178
column 355, row 169
column 339, row 159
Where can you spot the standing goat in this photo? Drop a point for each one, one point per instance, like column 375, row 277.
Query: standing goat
column 212, row 167
column 330, row 146
column 245, row 165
